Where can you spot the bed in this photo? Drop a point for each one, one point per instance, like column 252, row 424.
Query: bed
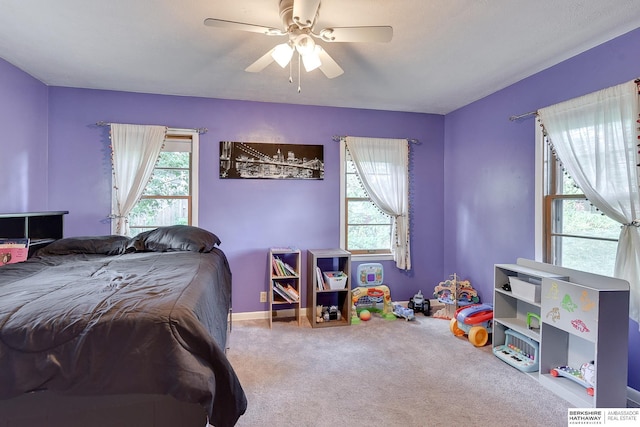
column 111, row 316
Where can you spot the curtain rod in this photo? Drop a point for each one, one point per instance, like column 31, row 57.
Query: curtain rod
column 535, row 113
column 337, row 138
column 199, row 130
column 522, row 116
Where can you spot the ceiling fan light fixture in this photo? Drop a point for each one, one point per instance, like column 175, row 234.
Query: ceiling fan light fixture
column 305, row 44
column 282, row 54
column 311, row 61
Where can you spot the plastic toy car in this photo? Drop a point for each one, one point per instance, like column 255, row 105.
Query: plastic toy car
column 474, row 320
column 403, row 312
column 419, row 303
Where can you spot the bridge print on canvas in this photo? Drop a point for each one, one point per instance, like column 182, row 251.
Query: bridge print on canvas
column 271, row 160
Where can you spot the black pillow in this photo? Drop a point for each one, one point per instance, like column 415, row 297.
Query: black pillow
column 105, row 245
column 174, row 238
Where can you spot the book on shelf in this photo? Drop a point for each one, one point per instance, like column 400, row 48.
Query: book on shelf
column 291, row 296
column 282, row 295
column 320, row 280
column 275, row 266
column 280, row 290
column 281, row 268
column 290, row 271
column 293, row 292
column 13, row 250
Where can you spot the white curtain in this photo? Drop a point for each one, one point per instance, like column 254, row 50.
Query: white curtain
column 595, row 138
column 135, row 150
column 383, row 168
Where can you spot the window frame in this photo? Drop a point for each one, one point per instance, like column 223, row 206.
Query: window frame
column 173, row 141
column 548, row 172
column 373, row 255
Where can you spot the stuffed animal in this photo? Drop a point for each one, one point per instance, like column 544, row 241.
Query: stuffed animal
column 588, row 372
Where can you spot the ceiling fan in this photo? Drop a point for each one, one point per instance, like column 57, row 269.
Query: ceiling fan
column 299, row 18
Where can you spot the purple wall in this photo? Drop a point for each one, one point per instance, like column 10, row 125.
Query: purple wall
column 472, row 185
column 23, row 145
column 489, row 200
column 249, row 216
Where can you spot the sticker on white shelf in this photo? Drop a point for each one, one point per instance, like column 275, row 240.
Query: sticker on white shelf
column 617, row 417
column 570, row 307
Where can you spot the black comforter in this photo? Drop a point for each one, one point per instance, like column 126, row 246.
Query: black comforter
column 146, row 322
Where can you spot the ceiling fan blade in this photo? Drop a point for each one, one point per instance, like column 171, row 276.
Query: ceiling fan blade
column 381, row 34
column 261, row 63
column 305, row 12
column 329, row 67
column 231, row 25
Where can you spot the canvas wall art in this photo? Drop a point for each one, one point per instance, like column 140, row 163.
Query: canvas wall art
column 260, row 160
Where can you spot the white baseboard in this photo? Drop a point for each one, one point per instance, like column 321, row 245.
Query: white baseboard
column 633, row 398
column 259, row 315
column 250, row 315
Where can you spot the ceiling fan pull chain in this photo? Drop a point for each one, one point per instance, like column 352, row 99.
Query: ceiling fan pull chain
column 299, row 60
column 290, row 71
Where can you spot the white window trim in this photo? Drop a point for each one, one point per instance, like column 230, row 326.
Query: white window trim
column 195, row 172
column 343, row 226
column 539, row 192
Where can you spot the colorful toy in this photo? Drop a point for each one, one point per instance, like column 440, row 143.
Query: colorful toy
column 325, row 314
column 371, row 295
column 375, row 299
column 419, row 303
column 400, row 311
column 578, row 375
column 466, row 293
column 454, row 293
column 475, row 321
column 519, row 351
column 364, row 315
column 530, row 317
column 370, row 274
column 588, row 372
column 446, row 291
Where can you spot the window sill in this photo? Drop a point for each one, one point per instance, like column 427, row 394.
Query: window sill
column 371, row 257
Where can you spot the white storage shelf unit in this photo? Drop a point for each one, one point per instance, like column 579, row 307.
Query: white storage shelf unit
column 510, row 310
column 596, row 329
column 584, row 317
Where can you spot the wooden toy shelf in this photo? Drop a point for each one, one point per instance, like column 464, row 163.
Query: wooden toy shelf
column 328, row 260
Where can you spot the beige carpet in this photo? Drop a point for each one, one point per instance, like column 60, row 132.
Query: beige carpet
column 386, row 373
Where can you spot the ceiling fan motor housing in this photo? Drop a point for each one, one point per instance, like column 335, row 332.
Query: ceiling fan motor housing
column 286, row 15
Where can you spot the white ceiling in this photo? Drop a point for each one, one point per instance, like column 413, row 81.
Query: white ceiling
column 444, row 53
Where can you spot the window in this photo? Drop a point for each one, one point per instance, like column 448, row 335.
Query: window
column 170, row 197
column 576, row 234
column 365, row 230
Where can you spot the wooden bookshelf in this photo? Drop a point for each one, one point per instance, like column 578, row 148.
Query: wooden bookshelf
column 284, row 282
column 328, row 260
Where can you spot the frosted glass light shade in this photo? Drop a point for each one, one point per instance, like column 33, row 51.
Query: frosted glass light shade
column 305, row 44
column 311, row 60
column 282, row 54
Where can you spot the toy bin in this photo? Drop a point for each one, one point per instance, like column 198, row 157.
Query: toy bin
column 525, row 290
column 335, row 279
